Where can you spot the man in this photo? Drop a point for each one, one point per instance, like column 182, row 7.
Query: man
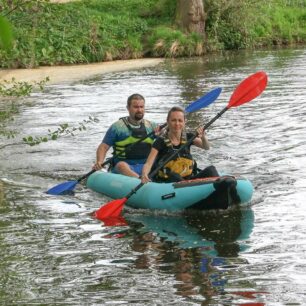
column 129, row 155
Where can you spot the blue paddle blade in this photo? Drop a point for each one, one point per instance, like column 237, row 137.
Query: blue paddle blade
column 62, row 188
column 204, row 101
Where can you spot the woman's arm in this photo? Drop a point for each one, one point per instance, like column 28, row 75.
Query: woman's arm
column 148, row 166
column 201, row 141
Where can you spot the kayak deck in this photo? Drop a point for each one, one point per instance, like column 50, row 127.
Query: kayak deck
column 201, row 194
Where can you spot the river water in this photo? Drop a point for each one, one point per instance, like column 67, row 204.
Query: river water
column 54, row 253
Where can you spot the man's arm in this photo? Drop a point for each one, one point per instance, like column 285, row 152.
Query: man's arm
column 100, row 155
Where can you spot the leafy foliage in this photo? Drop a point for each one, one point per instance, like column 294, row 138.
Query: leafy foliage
column 100, row 30
column 168, row 42
column 244, row 24
column 6, row 114
column 13, row 88
column 6, row 34
column 81, row 32
column 62, row 130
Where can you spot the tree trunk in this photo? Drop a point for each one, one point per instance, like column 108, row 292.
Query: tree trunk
column 190, row 15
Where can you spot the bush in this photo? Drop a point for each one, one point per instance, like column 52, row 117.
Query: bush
column 169, row 42
column 99, row 30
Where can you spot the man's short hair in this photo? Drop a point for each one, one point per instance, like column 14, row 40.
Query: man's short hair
column 134, row 97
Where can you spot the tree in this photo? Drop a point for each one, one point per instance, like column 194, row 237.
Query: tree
column 190, row 16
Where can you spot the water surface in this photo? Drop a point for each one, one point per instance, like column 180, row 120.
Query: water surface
column 53, row 252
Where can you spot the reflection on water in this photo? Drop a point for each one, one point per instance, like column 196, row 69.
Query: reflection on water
column 199, row 250
column 216, row 233
column 194, row 248
column 54, row 252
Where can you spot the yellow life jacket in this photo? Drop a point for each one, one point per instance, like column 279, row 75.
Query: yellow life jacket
column 182, row 164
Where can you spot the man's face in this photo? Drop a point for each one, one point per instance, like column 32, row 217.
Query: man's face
column 136, row 109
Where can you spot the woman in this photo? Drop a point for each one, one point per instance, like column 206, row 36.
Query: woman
column 182, row 166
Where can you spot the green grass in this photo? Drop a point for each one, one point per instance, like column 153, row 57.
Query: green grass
column 100, row 30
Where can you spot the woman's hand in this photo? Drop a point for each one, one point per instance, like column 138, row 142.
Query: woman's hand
column 158, row 130
column 201, row 141
column 201, row 132
column 148, row 166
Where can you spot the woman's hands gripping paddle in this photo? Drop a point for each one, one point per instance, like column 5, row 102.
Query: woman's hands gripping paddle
column 247, row 90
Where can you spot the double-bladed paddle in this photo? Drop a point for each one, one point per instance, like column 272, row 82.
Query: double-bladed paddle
column 247, row 90
column 204, row 101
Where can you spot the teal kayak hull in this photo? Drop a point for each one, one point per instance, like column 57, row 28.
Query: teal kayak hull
column 199, row 194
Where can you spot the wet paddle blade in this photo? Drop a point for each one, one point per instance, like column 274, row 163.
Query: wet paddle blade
column 62, row 188
column 115, row 221
column 249, row 89
column 110, row 210
column 204, row 101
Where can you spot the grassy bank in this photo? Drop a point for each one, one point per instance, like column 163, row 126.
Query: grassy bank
column 101, row 30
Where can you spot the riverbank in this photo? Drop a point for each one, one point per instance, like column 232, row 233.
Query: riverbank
column 72, row 73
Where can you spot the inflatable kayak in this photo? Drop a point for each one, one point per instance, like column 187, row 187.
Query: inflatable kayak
column 202, row 194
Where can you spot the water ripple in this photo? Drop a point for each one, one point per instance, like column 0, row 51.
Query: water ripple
column 54, row 252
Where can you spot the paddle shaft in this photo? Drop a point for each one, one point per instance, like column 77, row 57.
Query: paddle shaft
column 188, row 143
column 246, row 91
column 194, row 106
column 89, row 173
column 208, row 124
column 235, row 101
column 109, row 160
column 208, row 99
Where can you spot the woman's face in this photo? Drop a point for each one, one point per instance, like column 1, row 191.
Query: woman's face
column 176, row 121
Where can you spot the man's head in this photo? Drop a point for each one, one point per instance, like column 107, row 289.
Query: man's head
column 136, row 106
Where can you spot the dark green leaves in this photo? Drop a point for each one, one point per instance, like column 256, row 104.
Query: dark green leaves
column 6, row 34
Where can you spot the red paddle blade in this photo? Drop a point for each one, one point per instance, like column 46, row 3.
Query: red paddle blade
column 115, row 221
column 249, row 89
column 110, row 210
